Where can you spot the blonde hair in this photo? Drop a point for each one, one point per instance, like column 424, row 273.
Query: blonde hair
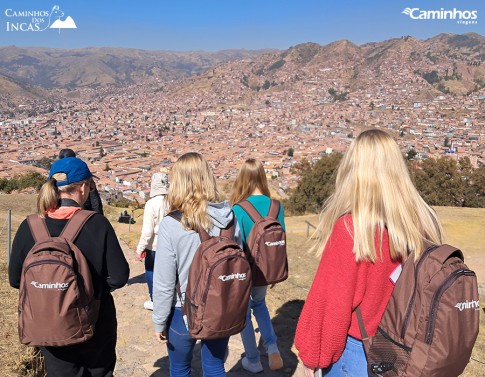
column 251, row 177
column 192, row 187
column 50, row 195
column 373, row 185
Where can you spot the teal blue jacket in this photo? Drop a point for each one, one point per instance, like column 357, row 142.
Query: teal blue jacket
column 261, row 203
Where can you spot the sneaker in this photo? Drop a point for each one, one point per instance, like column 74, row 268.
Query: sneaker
column 148, row 305
column 251, row 367
column 275, row 361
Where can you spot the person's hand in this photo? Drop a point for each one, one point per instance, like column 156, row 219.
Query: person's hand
column 139, row 257
column 309, row 372
column 161, row 337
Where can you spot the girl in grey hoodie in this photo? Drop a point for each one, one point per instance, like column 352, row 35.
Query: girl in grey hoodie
column 193, row 191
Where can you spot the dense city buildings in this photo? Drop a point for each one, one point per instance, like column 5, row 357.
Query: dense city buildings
column 276, row 112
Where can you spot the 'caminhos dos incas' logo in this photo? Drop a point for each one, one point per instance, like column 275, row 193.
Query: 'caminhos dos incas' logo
column 38, row 20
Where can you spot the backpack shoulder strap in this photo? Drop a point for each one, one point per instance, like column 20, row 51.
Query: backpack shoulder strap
column 249, row 208
column 203, row 235
column 75, row 224
column 38, row 228
column 229, row 231
column 363, row 331
column 274, row 209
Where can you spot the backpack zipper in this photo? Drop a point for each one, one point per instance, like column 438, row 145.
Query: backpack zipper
column 437, row 297
column 206, row 292
column 385, row 335
column 413, row 296
column 48, row 262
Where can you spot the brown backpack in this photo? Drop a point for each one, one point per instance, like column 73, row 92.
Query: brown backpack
column 216, row 300
column 57, row 306
column 266, row 245
column 431, row 322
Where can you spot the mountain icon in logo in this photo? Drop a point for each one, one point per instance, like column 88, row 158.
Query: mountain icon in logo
column 68, row 23
column 407, row 11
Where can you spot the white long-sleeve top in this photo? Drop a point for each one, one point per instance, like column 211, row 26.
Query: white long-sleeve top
column 155, row 209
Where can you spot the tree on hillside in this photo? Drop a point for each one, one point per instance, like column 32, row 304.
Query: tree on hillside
column 475, row 193
column 316, row 184
column 440, row 182
column 30, row 179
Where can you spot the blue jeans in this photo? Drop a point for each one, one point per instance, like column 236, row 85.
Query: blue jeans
column 181, row 346
column 258, row 306
column 149, row 262
column 352, row 363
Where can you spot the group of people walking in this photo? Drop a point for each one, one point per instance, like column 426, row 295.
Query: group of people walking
column 370, row 224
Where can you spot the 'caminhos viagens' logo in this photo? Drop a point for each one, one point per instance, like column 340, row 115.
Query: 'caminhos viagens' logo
column 38, row 20
column 465, row 17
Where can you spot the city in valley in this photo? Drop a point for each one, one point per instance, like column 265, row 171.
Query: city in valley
column 278, row 107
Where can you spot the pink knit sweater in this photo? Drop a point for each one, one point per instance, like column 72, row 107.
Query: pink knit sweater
column 340, row 285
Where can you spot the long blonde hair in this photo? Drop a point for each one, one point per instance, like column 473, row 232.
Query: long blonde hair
column 251, row 177
column 373, row 185
column 192, row 187
column 50, row 195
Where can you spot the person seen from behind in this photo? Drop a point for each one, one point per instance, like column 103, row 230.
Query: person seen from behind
column 68, row 187
column 193, row 191
column 251, row 184
column 369, row 225
column 94, row 202
column 155, row 209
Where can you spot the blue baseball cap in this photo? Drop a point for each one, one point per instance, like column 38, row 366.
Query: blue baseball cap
column 69, row 170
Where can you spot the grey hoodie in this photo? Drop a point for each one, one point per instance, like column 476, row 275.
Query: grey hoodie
column 175, row 250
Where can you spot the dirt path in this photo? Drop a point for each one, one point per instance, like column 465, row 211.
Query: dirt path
column 139, row 355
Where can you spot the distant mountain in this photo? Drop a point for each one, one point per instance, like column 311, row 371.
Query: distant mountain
column 13, row 93
column 447, row 63
column 98, row 67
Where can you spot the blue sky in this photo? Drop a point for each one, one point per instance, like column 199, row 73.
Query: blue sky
column 215, row 25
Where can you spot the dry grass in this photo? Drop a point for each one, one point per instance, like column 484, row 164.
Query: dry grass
column 464, row 228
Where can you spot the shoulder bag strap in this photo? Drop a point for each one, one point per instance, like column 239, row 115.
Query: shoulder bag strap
column 274, row 209
column 361, row 323
column 38, row 228
column 75, row 224
column 229, row 231
column 250, row 210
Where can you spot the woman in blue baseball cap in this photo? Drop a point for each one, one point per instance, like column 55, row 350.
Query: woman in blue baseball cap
column 65, row 192
column 94, row 202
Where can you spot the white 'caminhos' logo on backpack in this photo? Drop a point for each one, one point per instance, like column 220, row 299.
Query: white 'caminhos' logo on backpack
column 57, row 285
column 468, row 305
column 237, row 275
column 275, row 243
